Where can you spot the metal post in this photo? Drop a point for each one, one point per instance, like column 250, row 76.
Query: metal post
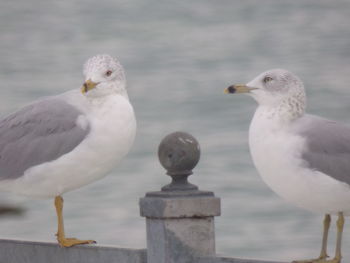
column 179, row 218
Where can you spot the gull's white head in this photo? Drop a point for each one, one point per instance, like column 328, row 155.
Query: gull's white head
column 104, row 75
column 276, row 88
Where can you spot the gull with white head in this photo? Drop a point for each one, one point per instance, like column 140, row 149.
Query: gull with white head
column 303, row 158
column 63, row 142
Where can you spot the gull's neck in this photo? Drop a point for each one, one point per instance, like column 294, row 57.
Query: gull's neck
column 283, row 112
column 106, row 99
column 104, row 95
column 270, row 121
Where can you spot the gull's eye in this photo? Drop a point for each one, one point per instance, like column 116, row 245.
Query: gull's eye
column 108, row 73
column 267, row 79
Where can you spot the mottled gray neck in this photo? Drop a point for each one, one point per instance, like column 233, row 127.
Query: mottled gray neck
column 286, row 110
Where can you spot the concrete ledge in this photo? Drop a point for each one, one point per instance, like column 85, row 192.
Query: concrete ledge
column 219, row 259
column 18, row 251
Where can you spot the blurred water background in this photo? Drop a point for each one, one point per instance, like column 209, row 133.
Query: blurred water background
column 179, row 56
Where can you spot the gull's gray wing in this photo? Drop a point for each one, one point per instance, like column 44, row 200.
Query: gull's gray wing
column 38, row 133
column 328, row 146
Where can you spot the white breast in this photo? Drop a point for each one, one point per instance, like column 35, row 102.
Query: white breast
column 276, row 153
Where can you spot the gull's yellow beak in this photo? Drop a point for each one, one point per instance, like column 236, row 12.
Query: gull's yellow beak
column 239, row 88
column 88, row 85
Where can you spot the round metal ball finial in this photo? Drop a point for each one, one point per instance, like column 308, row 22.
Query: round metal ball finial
column 179, row 153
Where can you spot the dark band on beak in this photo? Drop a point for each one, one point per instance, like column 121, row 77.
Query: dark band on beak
column 85, row 88
column 88, row 85
column 231, row 89
column 238, row 88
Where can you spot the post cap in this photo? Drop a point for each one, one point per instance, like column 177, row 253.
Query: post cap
column 179, row 153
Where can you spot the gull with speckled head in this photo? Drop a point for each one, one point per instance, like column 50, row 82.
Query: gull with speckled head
column 60, row 143
column 303, row 158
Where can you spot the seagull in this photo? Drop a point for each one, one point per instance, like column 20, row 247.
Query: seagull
column 60, row 143
column 303, row 158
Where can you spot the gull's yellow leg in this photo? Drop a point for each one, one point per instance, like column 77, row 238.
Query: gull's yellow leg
column 62, row 240
column 326, row 224
column 340, row 227
column 323, row 254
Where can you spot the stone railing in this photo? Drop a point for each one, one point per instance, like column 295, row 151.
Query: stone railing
column 179, row 221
